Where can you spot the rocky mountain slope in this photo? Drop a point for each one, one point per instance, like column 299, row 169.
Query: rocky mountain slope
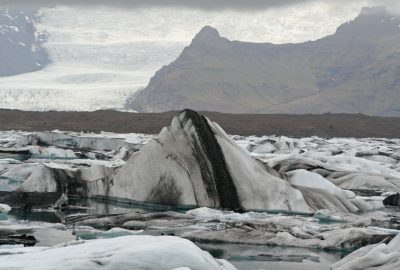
column 355, row 70
column 20, row 44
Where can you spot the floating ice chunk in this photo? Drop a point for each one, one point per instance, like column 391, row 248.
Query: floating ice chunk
column 14, row 175
column 365, row 181
column 308, row 179
column 137, row 138
column 208, row 213
column 52, row 153
column 263, row 148
column 204, row 212
column 347, row 238
column 87, row 232
column 326, row 216
column 55, row 177
column 378, row 256
column 127, row 252
column 4, row 208
column 9, row 161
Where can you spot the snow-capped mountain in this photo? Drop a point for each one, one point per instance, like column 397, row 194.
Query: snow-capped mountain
column 101, row 55
column 20, row 44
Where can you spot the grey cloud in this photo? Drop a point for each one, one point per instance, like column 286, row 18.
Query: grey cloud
column 199, row 4
column 392, row 5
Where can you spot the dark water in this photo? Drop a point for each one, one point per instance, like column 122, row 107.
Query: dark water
column 16, row 156
column 245, row 257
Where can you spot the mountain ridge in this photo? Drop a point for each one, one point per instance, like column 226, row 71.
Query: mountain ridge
column 355, row 70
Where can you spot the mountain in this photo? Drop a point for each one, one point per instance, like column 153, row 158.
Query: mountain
column 20, row 43
column 355, row 70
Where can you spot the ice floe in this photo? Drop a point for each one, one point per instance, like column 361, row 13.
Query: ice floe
column 379, row 256
column 126, row 252
column 324, row 230
column 198, row 164
column 4, row 208
column 313, row 193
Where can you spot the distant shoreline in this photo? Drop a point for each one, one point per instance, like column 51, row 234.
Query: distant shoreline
column 324, row 125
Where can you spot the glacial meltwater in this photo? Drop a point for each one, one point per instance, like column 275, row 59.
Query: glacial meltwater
column 341, row 183
column 47, row 226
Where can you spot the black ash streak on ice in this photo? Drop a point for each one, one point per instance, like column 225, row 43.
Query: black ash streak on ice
column 216, row 176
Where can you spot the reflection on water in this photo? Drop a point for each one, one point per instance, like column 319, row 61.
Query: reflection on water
column 52, row 216
column 107, row 207
column 246, row 257
column 16, row 156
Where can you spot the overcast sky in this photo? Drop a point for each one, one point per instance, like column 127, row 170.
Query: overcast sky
column 203, row 4
column 197, row 4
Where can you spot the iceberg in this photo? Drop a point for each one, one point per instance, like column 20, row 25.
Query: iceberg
column 125, row 252
column 87, row 232
column 4, row 208
column 322, row 194
column 192, row 163
column 378, row 256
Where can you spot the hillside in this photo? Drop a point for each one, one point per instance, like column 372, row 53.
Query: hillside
column 355, row 70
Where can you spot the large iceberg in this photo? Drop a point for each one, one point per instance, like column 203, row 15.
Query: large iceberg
column 126, row 252
column 195, row 163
